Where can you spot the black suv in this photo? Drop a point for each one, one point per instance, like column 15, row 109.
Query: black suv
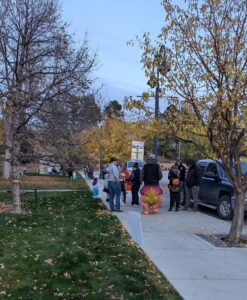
column 216, row 190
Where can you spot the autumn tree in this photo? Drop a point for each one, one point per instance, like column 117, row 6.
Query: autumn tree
column 38, row 63
column 114, row 138
column 205, row 46
column 62, row 122
column 113, row 110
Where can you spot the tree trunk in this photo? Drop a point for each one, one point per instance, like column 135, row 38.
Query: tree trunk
column 8, row 146
column 16, row 170
column 6, row 164
column 238, row 218
column 16, row 191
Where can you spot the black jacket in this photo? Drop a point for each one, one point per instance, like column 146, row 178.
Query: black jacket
column 135, row 177
column 173, row 188
column 194, row 175
column 151, row 173
column 182, row 172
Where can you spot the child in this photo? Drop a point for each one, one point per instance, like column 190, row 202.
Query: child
column 124, row 177
column 95, row 188
column 174, row 187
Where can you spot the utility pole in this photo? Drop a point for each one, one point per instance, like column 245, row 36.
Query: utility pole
column 162, row 67
column 156, row 114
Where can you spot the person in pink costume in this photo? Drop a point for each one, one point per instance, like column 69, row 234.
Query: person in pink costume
column 151, row 193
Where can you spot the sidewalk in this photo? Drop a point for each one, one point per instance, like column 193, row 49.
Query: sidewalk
column 197, row 269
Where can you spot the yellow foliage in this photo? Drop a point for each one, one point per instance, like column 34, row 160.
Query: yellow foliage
column 114, row 138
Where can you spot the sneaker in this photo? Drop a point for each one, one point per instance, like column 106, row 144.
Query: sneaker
column 119, row 210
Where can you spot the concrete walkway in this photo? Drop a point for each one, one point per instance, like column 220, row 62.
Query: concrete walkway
column 197, row 269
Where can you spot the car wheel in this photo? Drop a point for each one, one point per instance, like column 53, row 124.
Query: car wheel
column 224, row 207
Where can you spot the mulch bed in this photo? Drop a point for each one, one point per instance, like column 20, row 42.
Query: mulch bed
column 220, row 240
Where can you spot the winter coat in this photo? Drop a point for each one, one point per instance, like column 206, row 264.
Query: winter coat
column 151, row 173
column 173, row 188
column 135, row 177
column 194, row 175
column 182, row 172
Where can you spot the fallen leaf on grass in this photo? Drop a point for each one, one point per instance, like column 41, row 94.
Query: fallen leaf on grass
column 49, row 261
column 103, row 213
column 3, row 293
column 66, row 275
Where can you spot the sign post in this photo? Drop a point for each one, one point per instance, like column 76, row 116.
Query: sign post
column 137, row 152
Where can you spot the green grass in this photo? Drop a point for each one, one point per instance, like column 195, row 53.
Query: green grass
column 73, row 249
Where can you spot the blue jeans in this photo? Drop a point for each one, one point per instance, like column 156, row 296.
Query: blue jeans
column 182, row 193
column 114, row 190
column 135, row 194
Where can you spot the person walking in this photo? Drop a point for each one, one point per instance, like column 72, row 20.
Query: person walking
column 192, row 184
column 90, row 171
column 174, row 187
column 135, row 180
column 86, row 170
column 70, row 171
column 114, row 185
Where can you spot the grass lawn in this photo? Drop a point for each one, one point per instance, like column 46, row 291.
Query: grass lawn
column 72, row 248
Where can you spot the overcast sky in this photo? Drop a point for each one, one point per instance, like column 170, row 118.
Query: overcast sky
column 110, row 24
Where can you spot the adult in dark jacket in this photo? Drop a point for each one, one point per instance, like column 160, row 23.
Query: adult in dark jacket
column 182, row 174
column 135, row 179
column 192, row 184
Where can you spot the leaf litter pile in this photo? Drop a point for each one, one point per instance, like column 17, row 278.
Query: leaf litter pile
column 74, row 249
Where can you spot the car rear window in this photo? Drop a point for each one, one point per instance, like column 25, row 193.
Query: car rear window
column 202, row 166
column 130, row 164
column 211, row 168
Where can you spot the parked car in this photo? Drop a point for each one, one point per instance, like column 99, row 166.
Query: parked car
column 129, row 164
column 216, row 190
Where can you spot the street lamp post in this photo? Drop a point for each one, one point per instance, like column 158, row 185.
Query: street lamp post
column 162, row 68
